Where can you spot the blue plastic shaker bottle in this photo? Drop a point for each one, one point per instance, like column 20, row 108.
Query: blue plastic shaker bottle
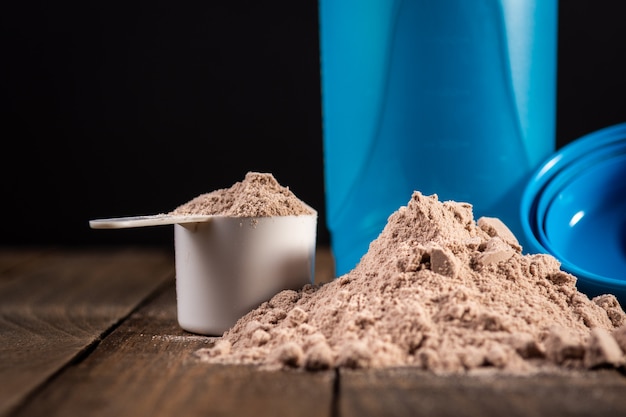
column 447, row 97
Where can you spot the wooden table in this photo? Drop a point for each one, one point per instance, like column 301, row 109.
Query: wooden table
column 94, row 333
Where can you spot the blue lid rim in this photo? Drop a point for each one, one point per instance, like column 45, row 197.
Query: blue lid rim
column 554, row 173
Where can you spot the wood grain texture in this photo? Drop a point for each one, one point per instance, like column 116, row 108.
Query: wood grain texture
column 406, row 392
column 12, row 259
column 147, row 367
column 54, row 307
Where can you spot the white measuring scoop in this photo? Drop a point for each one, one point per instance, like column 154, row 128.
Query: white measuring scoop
column 226, row 266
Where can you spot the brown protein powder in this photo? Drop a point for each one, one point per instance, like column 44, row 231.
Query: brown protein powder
column 438, row 291
column 258, row 195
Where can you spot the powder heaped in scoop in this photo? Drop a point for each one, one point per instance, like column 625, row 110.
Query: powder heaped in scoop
column 258, row 195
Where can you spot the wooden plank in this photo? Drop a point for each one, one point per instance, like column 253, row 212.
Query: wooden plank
column 406, row 392
column 147, row 367
column 56, row 306
column 13, row 258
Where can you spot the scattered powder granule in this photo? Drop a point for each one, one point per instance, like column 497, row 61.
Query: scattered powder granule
column 436, row 291
column 258, row 195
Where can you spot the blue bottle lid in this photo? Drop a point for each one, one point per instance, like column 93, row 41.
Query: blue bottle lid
column 574, row 208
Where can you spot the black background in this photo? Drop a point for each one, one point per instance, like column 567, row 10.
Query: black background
column 125, row 108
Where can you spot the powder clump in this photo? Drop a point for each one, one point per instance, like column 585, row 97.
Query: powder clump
column 436, row 291
column 257, row 195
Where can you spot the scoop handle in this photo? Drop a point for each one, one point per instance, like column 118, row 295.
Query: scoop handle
column 147, row 220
